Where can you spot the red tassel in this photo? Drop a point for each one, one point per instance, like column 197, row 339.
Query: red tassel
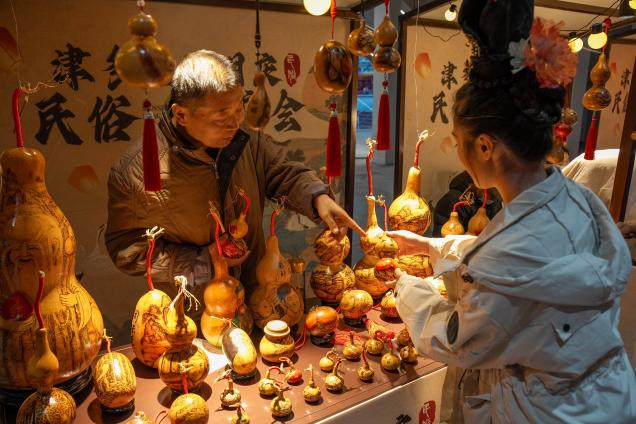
column 334, row 159
column 384, row 120
column 150, row 152
column 590, row 141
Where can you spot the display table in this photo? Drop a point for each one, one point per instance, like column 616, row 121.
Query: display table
column 385, row 399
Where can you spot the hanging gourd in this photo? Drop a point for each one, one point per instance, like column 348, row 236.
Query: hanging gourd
column 224, row 295
column 375, row 243
column 48, row 404
column 361, row 41
column 333, row 68
column 35, row 235
column 275, row 297
column 144, row 63
column 258, row 107
column 454, row 227
column 480, row 220
column 562, row 130
column 115, row 381
column 385, row 59
column 180, row 332
column 331, row 277
column 597, row 97
column 148, row 327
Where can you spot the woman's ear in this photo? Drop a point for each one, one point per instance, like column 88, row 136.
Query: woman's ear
column 179, row 113
column 484, row 146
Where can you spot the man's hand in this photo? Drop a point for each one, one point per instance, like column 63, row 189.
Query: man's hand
column 335, row 217
column 409, row 243
column 230, row 261
column 627, row 230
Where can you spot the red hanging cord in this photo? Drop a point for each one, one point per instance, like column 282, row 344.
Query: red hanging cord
column 386, row 216
column 248, row 201
column 217, row 233
column 420, row 141
column 184, row 382
column 459, row 204
column 272, row 223
column 386, row 6
column 333, row 17
column 302, row 339
column 369, row 173
column 607, row 23
column 384, row 118
column 151, row 249
column 38, row 299
column 15, row 107
column 483, row 205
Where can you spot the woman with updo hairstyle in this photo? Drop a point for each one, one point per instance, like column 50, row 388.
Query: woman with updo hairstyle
column 533, row 302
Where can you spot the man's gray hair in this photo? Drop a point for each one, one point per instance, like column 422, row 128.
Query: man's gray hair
column 200, row 73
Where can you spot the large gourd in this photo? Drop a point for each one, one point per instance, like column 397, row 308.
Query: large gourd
column 148, row 328
column 224, row 297
column 409, row 211
column 598, row 97
column 275, row 297
column 35, row 235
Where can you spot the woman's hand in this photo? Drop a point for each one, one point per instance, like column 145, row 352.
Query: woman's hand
column 409, row 243
column 398, row 273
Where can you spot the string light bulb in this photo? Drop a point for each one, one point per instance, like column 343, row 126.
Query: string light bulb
column 317, row 7
column 451, row 12
column 575, row 42
column 597, row 39
column 632, row 4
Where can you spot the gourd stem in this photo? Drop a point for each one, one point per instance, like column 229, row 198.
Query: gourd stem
column 15, row 107
column 38, row 300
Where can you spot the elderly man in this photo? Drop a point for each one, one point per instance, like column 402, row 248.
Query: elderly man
column 206, row 154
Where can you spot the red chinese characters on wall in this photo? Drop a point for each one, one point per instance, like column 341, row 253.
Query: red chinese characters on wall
column 292, row 68
column 427, row 413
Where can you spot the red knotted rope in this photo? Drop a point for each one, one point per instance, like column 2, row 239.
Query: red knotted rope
column 420, row 141
column 217, row 233
column 369, row 174
column 272, row 223
column 15, row 108
column 483, row 205
column 386, row 6
column 333, row 17
column 248, row 201
column 607, row 23
column 302, row 339
column 463, row 202
column 151, row 249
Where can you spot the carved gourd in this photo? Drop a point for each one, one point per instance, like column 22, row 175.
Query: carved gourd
column 388, row 305
column 333, row 67
column 321, row 322
column 48, row 404
column 281, row 406
column 267, row 385
column 334, row 381
column 239, row 351
column 352, row 350
column 361, row 41
column 224, row 297
column 189, row 408
column 331, row 277
column 311, row 392
column 598, row 97
column 35, row 235
column 453, row 227
column 115, row 381
column 365, row 372
column 143, row 62
column 148, row 327
column 354, row 306
column 182, row 355
column 328, row 361
column 258, row 106
column 275, row 297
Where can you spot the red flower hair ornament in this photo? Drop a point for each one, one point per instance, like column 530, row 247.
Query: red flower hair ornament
column 546, row 53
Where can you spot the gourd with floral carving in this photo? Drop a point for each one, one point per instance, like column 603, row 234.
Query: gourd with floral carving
column 189, row 408
column 311, row 392
column 275, row 297
column 147, row 331
column 224, row 296
column 331, row 277
column 334, row 381
column 374, row 344
column 48, row 404
column 281, row 406
column 365, row 372
column 183, row 354
column 115, row 380
column 267, row 385
column 35, row 235
column 388, row 305
column 352, row 350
